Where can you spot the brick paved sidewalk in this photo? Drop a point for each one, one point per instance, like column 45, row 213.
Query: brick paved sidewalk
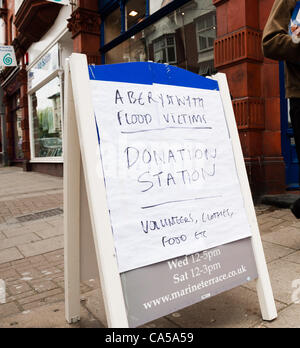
column 31, row 251
column 31, row 263
column 23, row 193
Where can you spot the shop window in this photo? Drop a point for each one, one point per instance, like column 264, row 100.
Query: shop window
column 165, row 50
column 45, row 100
column 207, row 68
column 18, row 135
column 132, row 50
column 113, row 25
column 47, row 120
column 206, row 31
column 157, row 5
column 16, row 115
column 127, row 15
column 184, row 37
column 46, row 66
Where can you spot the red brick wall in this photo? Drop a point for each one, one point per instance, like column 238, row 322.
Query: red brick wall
column 10, row 28
column 18, row 82
column 84, row 25
column 254, row 85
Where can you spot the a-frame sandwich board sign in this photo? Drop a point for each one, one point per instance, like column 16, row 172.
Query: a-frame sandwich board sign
column 156, row 194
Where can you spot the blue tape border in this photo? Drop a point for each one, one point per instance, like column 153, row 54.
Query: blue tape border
column 148, row 73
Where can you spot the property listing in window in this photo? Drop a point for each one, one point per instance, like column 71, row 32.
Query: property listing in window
column 47, row 120
column 45, row 86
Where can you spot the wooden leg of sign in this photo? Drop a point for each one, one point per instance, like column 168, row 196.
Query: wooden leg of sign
column 263, row 284
column 71, row 207
column 114, row 301
column 264, row 289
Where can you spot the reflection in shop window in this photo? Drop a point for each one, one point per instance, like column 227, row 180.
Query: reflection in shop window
column 135, row 12
column 155, row 5
column 206, row 31
column 47, row 120
column 18, row 134
column 113, row 25
column 165, row 50
column 207, row 68
column 184, row 38
column 48, row 64
column 16, row 117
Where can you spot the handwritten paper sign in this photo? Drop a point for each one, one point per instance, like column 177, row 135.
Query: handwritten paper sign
column 170, row 175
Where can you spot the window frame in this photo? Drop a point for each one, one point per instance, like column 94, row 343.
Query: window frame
column 204, row 30
column 126, row 34
column 56, row 73
column 165, row 47
column 15, row 107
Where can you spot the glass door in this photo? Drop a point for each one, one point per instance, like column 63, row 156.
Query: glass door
column 287, row 139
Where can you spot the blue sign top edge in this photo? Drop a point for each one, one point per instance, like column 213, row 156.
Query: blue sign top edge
column 148, row 73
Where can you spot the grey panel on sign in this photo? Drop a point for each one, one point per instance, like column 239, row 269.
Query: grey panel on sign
column 155, row 291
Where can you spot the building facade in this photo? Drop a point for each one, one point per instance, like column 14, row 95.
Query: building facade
column 33, row 90
column 202, row 36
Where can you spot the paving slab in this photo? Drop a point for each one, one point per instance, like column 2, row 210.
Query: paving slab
column 28, row 273
column 42, row 285
column 50, row 316
column 294, row 257
column 288, row 237
column 93, row 302
column 28, row 238
column 9, row 273
column 15, row 182
column 282, row 274
column 40, row 297
column 19, row 297
column 10, row 254
column 21, row 229
column 8, row 309
column 237, row 308
column 42, row 247
column 288, row 318
column 51, row 232
column 55, row 257
column 275, row 251
column 19, row 288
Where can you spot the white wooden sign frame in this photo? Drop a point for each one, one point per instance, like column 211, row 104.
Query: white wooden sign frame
column 80, row 129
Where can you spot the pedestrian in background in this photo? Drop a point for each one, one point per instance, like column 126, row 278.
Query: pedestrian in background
column 278, row 44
